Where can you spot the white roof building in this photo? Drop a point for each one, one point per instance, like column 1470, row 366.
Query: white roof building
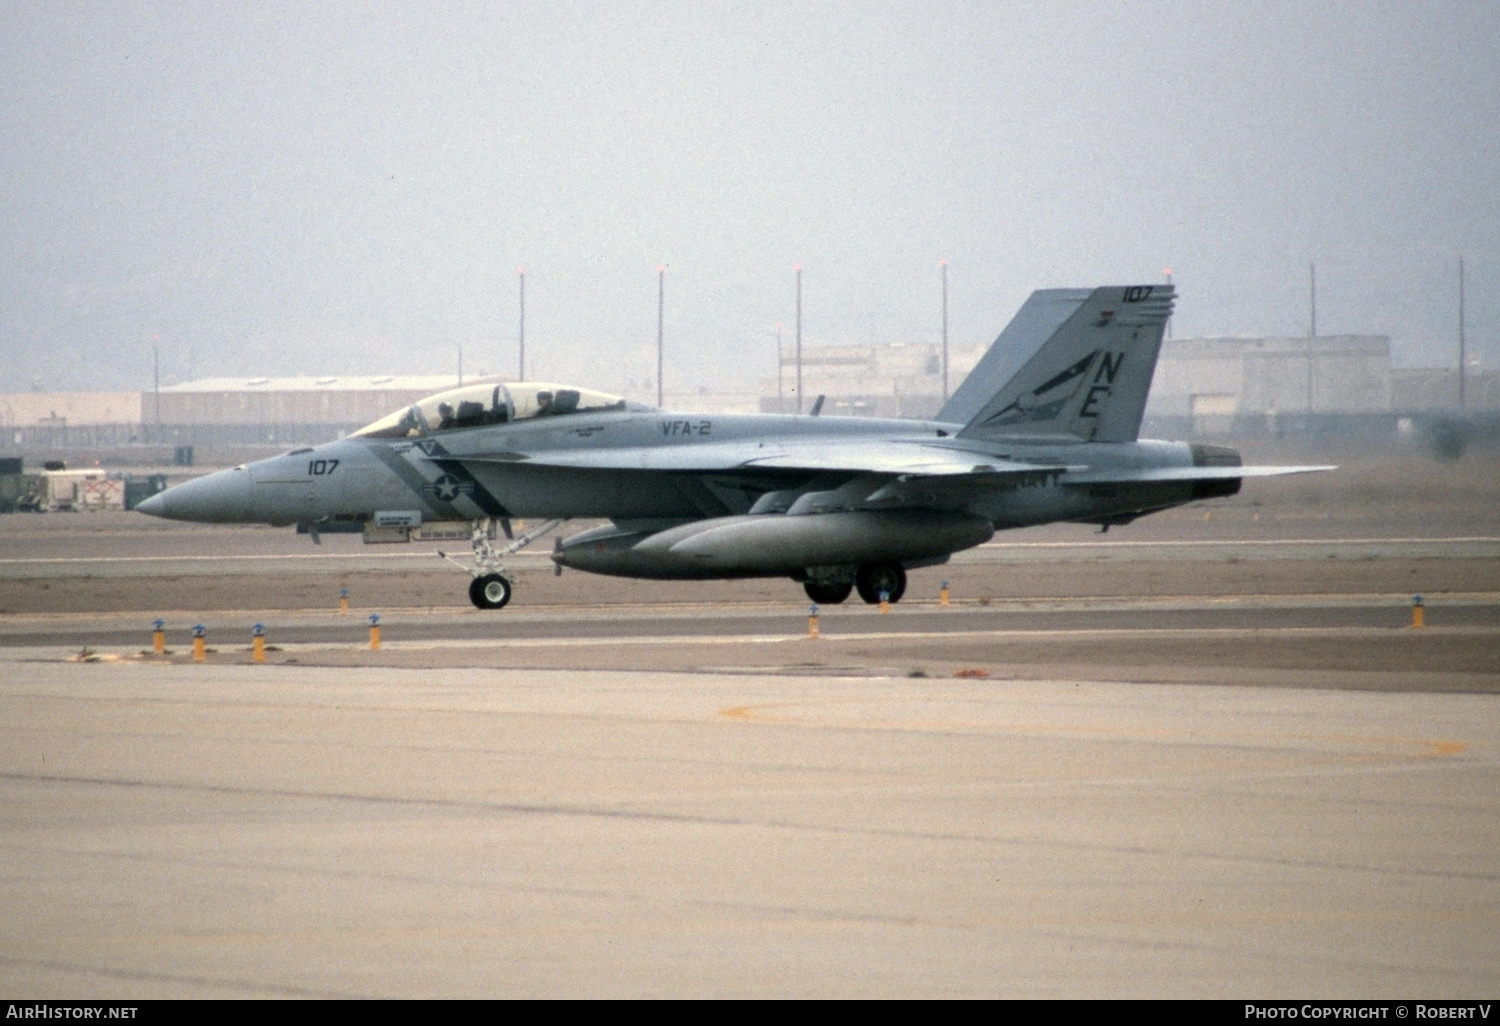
column 349, row 400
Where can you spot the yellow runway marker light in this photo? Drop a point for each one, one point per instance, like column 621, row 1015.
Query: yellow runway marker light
column 812, row 621
column 200, row 651
column 885, row 602
column 159, row 638
column 258, row 644
column 1417, row 617
column 374, row 631
column 943, row 595
column 344, row 601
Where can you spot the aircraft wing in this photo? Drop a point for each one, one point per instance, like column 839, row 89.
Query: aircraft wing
column 894, row 458
column 700, row 457
column 952, row 471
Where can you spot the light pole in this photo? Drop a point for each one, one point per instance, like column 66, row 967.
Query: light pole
column 521, row 276
column 1312, row 300
column 1312, row 331
column 1462, row 370
column 798, row 269
column 661, row 295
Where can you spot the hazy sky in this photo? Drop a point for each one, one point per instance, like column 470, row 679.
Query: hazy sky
column 320, row 188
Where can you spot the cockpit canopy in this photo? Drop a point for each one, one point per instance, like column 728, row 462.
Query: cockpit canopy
column 478, row 405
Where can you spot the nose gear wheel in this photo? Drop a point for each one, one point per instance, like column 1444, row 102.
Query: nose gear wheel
column 489, row 591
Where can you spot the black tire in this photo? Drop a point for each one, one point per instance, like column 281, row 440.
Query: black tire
column 873, row 578
column 827, row 593
column 489, row 592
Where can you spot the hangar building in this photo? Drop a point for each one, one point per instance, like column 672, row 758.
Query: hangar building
column 300, row 410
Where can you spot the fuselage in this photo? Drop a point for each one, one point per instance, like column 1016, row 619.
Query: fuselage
column 497, row 471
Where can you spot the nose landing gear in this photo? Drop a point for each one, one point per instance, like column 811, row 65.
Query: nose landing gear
column 489, row 591
column 490, row 588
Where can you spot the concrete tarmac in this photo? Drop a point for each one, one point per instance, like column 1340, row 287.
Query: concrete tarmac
column 181, row 830
column 426, row 559
column 1348, row 641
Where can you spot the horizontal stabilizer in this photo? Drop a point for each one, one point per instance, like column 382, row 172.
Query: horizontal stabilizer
column 1151, row 475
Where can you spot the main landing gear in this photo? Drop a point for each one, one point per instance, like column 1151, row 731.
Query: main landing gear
column 490, row 588
column 827, row 593
column 874, row 580
column 871, row 580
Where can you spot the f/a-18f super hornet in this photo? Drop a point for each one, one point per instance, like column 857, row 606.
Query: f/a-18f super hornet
column 1043, row 429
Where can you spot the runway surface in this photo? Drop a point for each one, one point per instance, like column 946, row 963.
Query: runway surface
column 425, row 558
column 1330, row 610
column 1346, row 642
column 176, row 830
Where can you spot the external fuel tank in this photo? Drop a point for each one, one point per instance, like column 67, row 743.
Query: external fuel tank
column 773, row 545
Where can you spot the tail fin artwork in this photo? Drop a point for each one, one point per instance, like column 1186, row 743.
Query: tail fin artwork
column 1076, row 365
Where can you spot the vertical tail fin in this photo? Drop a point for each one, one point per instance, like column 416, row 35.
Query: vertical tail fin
column 1080, row 365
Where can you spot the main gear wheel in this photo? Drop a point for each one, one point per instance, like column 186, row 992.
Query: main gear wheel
column 827, row 593
column 873, row 579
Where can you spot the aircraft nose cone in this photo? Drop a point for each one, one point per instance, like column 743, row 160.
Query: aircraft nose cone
column 214, row 498
column 156, row 506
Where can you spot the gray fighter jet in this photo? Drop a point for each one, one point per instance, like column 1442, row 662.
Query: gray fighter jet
column 1044, row 429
